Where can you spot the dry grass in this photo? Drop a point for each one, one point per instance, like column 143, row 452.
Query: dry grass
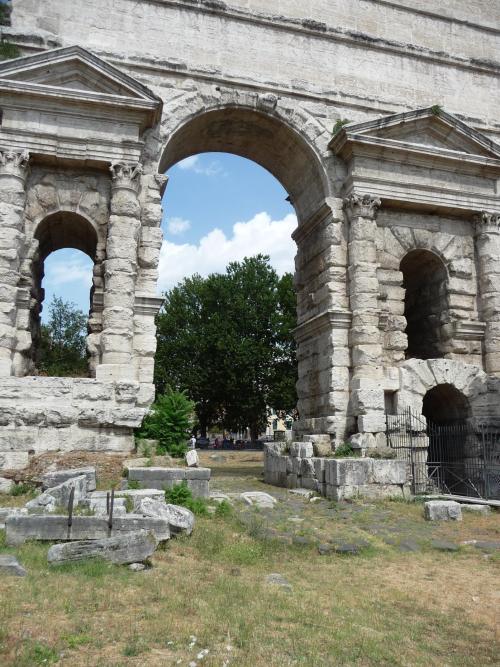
column 382, row 607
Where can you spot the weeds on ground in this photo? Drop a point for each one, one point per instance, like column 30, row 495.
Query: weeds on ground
column 23, row 489
column 180, row 494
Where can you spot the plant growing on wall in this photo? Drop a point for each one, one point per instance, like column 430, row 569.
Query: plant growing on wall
column 7, row 49
column 339, row 125
column 169, row 421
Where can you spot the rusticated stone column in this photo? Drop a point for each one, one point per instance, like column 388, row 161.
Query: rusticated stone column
column 487, row 231
column 120, row 271
column 367, row 394
column 13, row 175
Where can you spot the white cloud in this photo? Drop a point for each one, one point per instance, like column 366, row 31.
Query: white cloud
column 214, row 251
column 194, row 164
column 62, row 272
column 177, row 226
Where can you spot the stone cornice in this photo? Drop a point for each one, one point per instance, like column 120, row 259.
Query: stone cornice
column 469, row 329
column 308, row 226
column 329, row 319
column 146, row 304
column 361, row 206
column 321, row 30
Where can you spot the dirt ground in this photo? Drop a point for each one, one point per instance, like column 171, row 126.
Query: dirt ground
column 409, row 592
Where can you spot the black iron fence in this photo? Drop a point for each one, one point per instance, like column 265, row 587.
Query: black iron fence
column 458, row 458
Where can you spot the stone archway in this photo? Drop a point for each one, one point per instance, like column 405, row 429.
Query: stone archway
column 425, row 281
column 289, row 145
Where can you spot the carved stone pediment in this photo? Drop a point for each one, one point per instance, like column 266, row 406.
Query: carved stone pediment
column 100, row 112
column 426, row 158
column 429, row 130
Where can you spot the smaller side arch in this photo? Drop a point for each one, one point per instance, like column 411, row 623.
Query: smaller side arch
column 425, row 281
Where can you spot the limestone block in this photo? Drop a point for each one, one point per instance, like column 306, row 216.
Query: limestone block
column 374, row 422
column 476, row 509
column 319, row 469
column 180, row 519
column 122, row 549
column 258, row 499
column 389, row 472
column 6, row 485
column 52, row 479
column 46, row 527
column 367, row 400
column 348, row 471
column 442, row 510
column 301, row 449
column 58, row 496
column 307, row 467
column 9, row 565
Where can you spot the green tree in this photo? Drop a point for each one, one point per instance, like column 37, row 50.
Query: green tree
column 227, row 340
column 169, row 421
column 62, row 350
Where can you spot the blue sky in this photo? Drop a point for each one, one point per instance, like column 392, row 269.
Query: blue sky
column 217, row 208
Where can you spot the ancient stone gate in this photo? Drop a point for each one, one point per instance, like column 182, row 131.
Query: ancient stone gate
column 379, row 118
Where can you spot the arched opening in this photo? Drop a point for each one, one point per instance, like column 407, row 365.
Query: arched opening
column 261, row 138
column 58, row 234
column 450, row 438
column 426, row 303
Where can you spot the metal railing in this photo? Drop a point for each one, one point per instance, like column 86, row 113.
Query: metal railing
column 457, row 457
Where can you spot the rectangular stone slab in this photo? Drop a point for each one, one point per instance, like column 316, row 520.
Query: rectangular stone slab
column 120, row 549
column 165, row 478
column 55, row 527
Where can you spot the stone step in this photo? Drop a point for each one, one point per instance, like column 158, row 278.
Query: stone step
column 121, row 549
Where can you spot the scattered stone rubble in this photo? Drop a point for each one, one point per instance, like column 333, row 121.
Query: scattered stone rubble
column 442, row 510
column 109, row 531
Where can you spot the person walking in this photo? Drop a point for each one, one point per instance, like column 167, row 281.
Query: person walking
column 193, row 442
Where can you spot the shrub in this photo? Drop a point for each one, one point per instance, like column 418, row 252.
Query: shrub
column 169, row 421
column 180, row 494
column 22, row 489
column 223, row 509
column 339, row 124
column 343, row 451
column 133, row 485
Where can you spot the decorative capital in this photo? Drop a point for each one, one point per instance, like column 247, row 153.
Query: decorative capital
column 161, row 181
column 361, row 206
column 126, row 175
column 486, row 222
column 14, row 163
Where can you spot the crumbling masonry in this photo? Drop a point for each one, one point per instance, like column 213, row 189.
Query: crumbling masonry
column 398, row 236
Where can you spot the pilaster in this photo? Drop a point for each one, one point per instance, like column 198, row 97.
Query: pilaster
column 367, row 395
column 120, row 272
column 14, row 167
column 487, row 239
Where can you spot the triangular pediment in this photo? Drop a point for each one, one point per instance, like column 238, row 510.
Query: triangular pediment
column 74, row 69
column 427, row 130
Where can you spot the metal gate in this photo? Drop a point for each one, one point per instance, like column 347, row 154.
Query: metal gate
column 458, row 458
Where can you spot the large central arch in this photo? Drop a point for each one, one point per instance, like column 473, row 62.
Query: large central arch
column 260, row 136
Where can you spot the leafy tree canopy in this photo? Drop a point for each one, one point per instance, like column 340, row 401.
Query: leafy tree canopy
column 227, row 340
column 62, row 350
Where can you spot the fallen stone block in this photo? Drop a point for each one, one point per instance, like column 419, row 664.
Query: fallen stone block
column 476, row 509
column 303, row 493
column 442, row 510
column 197, row 479
column 9, row 565
column 192, row 459
column 121, row 549
column 7, row 511
column 6, row 485
column 58, row 496
column 52, row 479
column 100, row 508
column 258, row 499
column 180, row 519
column 129, row 493
column 47, row 527
column 219, row 497
column 275, row 579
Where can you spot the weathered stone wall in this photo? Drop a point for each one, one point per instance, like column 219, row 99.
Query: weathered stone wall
column 269, row 84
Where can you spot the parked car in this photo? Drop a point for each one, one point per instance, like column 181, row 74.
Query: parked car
column 203, row 443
